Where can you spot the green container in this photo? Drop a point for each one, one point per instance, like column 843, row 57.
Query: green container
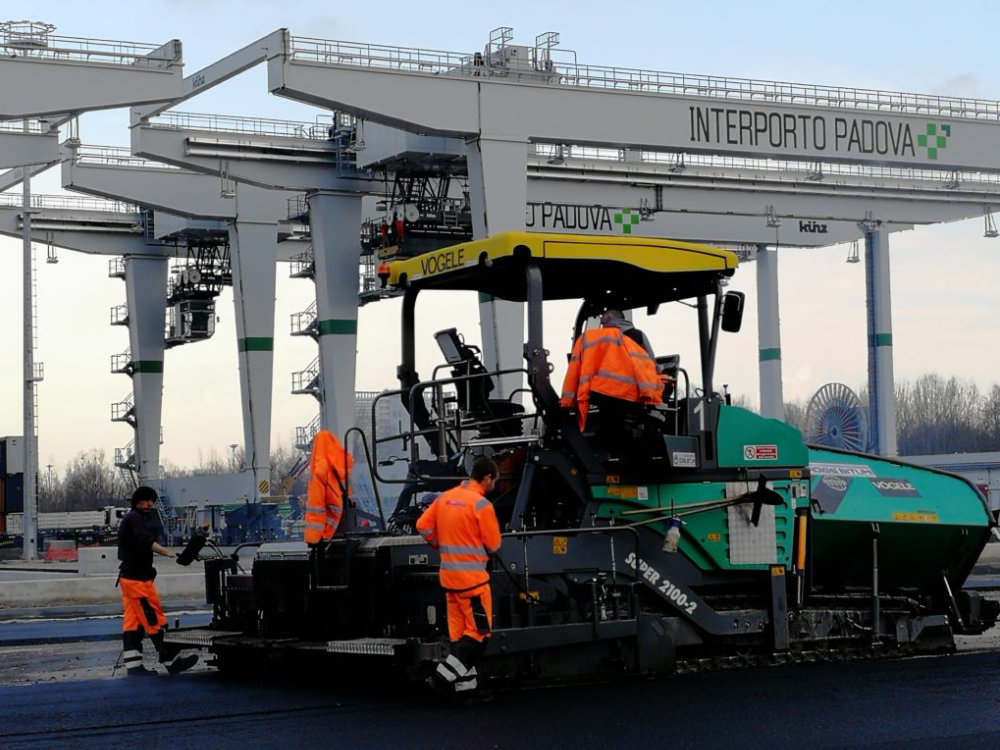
column 928, row 523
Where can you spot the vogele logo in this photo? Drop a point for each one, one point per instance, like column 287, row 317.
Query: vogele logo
column 626, row 219
column 934, row 139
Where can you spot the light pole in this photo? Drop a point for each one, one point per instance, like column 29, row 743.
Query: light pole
column 30, row 523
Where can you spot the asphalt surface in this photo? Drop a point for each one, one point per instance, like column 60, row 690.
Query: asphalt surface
column 59, row 689
column 917, row 704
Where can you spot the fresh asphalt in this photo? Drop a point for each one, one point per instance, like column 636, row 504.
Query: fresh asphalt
column 912, row 704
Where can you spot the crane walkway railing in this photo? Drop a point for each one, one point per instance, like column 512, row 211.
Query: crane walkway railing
column 557, row 154
column 35, row 40
column 318, row 130
column 34, row 127
column 115, row 156
column 69, row 203
column 304, row 435
column 573, row 73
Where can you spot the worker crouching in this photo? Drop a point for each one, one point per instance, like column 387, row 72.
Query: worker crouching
column 462, row 524
column 143, row 612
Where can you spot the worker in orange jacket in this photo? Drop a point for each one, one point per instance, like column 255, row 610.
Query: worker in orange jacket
column 462, row 524
column 329, row 467
column 607, row 361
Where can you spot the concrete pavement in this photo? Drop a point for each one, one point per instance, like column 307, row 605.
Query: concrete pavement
column 24, row 583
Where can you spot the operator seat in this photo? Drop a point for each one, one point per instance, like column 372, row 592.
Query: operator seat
column 613, row 420
column 474, row 394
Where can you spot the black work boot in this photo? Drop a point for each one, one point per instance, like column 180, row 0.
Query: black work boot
column 453, row 676
column 170, row 655
column 132, row 654
column 181, row 663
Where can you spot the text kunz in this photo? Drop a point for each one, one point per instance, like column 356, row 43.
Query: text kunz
column 813, row 227
column 800, row 132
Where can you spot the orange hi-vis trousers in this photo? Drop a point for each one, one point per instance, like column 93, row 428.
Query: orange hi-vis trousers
column 143, row 609
column 470, row 613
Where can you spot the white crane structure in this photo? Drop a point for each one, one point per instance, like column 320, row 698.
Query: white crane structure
column 679, row 190
column 281, row 156
column 140, row 243
column 500, row 101
column 544, row 142
column 58, row 78
column 252, row 216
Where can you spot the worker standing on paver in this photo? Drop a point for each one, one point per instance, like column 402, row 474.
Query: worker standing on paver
column 462, row 524
column 141, row 600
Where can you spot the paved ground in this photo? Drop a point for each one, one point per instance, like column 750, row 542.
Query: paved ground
column 916, row 704
column 62, row 695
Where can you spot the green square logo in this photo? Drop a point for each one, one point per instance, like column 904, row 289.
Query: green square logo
column 934, row 138
column 626, row 219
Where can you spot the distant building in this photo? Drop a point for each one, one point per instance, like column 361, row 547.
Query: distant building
column 983, row 469
column 391, row 419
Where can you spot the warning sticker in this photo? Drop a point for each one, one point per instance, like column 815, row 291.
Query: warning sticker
column 629, row 493
column 760, row 452
column 684, row 460
column 916, row 517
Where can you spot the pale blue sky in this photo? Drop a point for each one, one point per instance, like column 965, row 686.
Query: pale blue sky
column 944, row 302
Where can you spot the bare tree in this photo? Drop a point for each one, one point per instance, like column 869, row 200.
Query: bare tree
column 795, row 415
column 991, row 419
column 51, row 491
column 91, row 482
column 935, row 415
column 283, row 460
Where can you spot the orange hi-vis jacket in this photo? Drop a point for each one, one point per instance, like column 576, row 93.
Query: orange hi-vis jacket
column 606, row 361
column 462, row 524
column 325, row 498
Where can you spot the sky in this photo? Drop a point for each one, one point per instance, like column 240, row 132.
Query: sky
column 943, row 301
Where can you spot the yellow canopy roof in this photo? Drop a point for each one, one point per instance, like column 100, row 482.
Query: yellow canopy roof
column 633, row 271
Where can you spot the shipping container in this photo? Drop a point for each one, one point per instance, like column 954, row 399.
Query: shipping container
column 14, row 493
column 108, row 517
column 13, row 455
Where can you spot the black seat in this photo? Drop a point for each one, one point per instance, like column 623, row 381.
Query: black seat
column 474, row 394
column 616, row 414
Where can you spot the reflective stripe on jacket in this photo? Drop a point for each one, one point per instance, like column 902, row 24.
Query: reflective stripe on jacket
column 325, row 498
column 607, row 362
column 462, row 524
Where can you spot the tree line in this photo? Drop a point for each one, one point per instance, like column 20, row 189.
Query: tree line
column 91, row 480
column 935, row 415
